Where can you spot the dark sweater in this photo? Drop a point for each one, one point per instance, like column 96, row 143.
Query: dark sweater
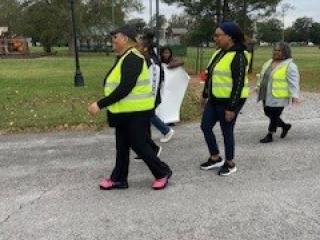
column 130, row 71
column 238, row 69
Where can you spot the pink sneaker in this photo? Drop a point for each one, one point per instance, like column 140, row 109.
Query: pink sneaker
column 161, row 183
column 108, row 184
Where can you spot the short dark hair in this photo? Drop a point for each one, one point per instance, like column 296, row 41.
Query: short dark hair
column 284, row 48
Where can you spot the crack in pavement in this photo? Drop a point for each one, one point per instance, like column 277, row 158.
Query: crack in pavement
column 21, row 206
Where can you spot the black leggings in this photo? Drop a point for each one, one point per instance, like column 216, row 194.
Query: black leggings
column 274, row 113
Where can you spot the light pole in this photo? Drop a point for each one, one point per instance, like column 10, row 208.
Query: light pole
column 150, row 12
column 157, row 27
column 112, row 14
column 78, row 79
column 284, row 9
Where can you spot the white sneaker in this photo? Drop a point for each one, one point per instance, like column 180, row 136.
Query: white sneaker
column 167, row 137
column 159, row 151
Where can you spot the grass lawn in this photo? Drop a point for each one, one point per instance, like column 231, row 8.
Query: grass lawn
column 39, row 94
column 307, row 59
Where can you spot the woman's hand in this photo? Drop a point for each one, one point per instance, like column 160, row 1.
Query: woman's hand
column 93, row 108
column 229, row 115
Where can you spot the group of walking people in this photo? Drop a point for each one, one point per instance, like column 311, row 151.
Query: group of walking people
column 132, row 92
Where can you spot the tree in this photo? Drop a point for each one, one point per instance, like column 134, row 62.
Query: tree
column 44, row 21
column 230, row 8
column 49, row 21
column 9, row 13
column 315, row 33
column 179, row 21
column 301, row 29
column 208, row 12
column 269, row 31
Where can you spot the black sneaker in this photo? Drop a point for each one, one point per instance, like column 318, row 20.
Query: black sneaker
column 212, row 164
column 267, row 138
column 226, row 170
column 285, row 130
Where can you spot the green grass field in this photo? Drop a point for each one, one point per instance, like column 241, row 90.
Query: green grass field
column 39, row 94
column 307, row 59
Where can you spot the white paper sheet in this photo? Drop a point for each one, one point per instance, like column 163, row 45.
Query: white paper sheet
column 172, row 93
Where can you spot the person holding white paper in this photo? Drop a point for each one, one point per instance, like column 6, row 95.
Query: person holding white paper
column 174, row 87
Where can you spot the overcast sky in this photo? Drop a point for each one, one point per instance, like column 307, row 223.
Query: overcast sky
column 308, row 8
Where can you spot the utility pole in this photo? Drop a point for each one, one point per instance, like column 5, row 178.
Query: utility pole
column 112, row 14
column 157, row 27
column 218, row 11
column 150, row 12
column 284, row 9
column 225, row 10
column 244, row 16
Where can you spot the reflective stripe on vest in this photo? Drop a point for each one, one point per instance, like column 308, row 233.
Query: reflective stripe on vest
column 140, row 98
column 279, row 84
column 222, row 76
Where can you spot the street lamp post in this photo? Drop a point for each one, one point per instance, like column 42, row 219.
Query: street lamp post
column 78, row 79
column 157, row 27
column 284, row 9
column 112, row 14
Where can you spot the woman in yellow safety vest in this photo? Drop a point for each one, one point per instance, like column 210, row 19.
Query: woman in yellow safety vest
column 130, row 103
column 278, row 84
column 224, row 94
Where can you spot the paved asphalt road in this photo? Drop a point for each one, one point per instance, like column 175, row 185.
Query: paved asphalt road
column 49, row 186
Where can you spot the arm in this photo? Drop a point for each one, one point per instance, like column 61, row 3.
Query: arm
column 293, row 77
column 175, row 62
column 238, row 69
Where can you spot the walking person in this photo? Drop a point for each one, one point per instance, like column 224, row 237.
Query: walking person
column 278, row 85
column 166, row 57
column 145, row 46
column 157, row 78
column 175, row 85
column 130, row 103
column 224, row 94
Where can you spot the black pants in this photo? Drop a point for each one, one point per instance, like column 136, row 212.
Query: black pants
column 274, row 113
column 212, row 114
column 133, row 133
column 153, row 145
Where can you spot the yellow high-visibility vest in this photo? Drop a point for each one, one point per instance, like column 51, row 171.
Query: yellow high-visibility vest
column 222, row 76
column 279, row 84
column 140, row 98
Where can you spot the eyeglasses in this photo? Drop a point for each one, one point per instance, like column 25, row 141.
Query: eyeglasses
column 218, row 35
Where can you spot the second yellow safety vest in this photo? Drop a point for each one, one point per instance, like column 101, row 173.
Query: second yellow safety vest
column 280, row 85
column 222, row 76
